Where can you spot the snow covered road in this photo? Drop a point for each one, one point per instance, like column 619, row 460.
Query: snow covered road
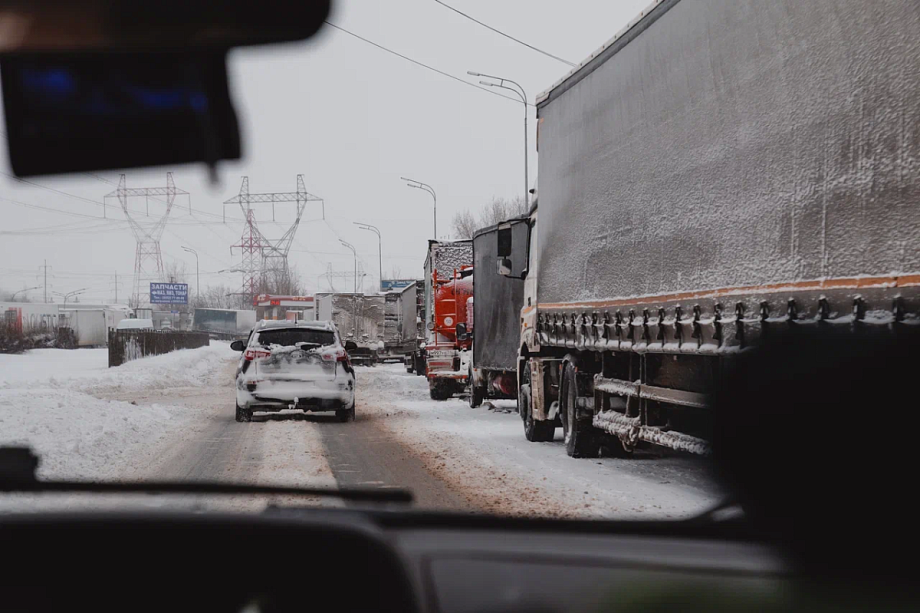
column 171, row 417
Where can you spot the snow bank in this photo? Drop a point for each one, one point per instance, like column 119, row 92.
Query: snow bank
column 46, row 402
column 79, row 436
column 87, row 369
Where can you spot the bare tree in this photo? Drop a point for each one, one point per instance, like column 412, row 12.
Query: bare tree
column 466, row 223
column 175, row 272
column 282, row 282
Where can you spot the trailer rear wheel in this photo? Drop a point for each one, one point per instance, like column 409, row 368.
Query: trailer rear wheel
column 534, row 431
column 581, row 441
column 477, row 394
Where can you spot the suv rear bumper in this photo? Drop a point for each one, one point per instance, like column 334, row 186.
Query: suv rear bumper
column 316, row 396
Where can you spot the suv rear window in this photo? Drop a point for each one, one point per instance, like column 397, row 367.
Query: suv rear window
column 291, row 336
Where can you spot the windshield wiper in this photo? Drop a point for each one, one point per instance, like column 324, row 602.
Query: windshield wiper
column 18, row 474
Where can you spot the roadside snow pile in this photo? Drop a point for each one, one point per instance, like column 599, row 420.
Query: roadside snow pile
column 81, row 437
column 392, row 382
column 87, row 369
column 47, row 403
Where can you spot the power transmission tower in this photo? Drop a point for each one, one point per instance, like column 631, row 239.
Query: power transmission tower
column 345, row 274
column 260, row 254
column 148, row 259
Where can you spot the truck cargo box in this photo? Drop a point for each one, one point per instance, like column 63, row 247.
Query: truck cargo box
column 735, row 145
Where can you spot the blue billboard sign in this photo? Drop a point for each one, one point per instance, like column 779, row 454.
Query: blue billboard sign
column 392, row 284
column 169, row 293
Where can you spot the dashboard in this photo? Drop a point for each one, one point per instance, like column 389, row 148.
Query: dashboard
column 351, row 560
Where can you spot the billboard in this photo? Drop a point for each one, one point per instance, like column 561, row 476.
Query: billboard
column 387, row 285
column 169, row 293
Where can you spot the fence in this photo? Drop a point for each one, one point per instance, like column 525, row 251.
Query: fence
column 127, row 345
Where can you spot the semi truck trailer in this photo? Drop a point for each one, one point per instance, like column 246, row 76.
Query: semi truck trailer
column 719, row 171
column 359, row 318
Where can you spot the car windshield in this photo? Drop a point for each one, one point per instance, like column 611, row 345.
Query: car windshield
column 291, row 336
column 532, row 242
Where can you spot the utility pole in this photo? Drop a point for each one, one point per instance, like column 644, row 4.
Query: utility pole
column 45, row 283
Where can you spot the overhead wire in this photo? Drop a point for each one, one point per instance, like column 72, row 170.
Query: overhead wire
column 497, row 31
column 423, row 65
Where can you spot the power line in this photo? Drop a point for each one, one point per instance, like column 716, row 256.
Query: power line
column 485, row 25
column 417, row 63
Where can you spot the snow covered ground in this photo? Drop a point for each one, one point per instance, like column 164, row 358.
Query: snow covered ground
column 483, row 453
column 171, row 417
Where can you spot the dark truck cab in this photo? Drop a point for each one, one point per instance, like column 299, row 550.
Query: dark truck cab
column 497, row 303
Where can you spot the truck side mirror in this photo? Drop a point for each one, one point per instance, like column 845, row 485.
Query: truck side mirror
column 504, row 267
column 238, row 346
column 461, row 332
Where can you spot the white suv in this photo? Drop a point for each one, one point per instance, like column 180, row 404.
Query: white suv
column 294, row 365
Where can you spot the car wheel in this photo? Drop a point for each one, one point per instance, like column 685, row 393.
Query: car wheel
column 345, row 415
column 581, row 441
column 243, row 415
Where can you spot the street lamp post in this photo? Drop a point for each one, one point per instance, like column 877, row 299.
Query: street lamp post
column 355, row 309
column 430, row 190
column 517, row 89
column 27, row 289
column 69, row 294
column 197, row 275
column 369, row 227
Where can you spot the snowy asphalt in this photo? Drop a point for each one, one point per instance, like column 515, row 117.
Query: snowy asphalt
column 172, row 417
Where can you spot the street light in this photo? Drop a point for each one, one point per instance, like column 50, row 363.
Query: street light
column 355, row 309
column 369, row 227
column 430, row 190
column 76, row 292
column 523, row 96
column 28, row 289
column 197, row 276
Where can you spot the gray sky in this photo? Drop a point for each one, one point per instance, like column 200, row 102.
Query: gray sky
column 349, row 117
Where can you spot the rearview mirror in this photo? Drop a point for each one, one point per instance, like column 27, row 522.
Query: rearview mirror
column 350, row 346
column 504, row 267
column 238, row 346
column 461, row 332
column 41, row 26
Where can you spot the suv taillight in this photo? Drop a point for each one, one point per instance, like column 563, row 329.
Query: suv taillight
column 252, row 354
column 339, row 355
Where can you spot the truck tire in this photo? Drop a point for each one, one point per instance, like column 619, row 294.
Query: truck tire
column 243, row 415
column 438, row 391
column 534, row 431
column 346, row 415
column 477, row 394
column 581, row 441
